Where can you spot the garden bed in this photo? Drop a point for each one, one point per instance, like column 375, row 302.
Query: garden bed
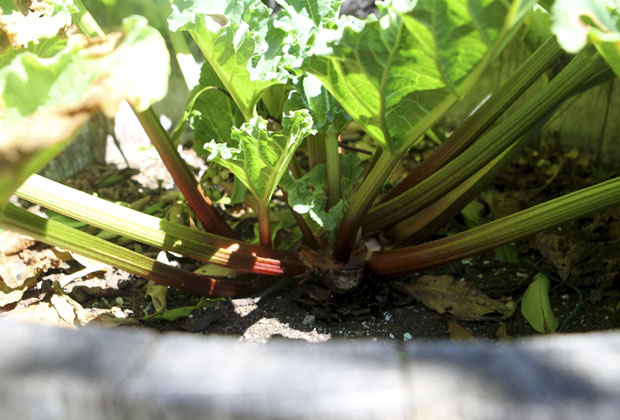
column 581, row 257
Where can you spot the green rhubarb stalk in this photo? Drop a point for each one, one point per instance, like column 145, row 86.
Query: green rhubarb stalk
column 360, row 203
column 58, row 234
column 476, row 124
column 316, row 149
column 159, row 233
column 496, row 140
column 86, row 22
column 264, row 223
column 183, row 177
column 496, row 233
column 334, row 193
column 426, row 222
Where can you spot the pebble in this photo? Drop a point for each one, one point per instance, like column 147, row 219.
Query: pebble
column 387, row 316
column 407, row 336
column 309, row 319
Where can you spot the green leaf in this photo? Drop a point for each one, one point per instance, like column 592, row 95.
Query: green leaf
column 284, row 228
column 397, row 74
column 538, row 24
column 158, row 294
column 259, row 157
column 536, row 307
column 325, row 110
column 307, row 195
column 472, row 213
column 231, row 36
column 577, row 22
column 274, row 99
column 75, row 224
column 214, row 113
column 45, row 100
column 185, row 311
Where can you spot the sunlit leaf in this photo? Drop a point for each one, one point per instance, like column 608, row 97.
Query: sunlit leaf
column 41, row 19
column 577, row 22
column 259, row 157
column 325, row 110
column 231, row 35
column 66, row 89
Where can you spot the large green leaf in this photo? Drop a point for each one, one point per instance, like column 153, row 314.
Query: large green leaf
column 397, row 74
column 43, row 101
column 231, row 36
column 575, row 22
column 214, row 112
column 259, row 157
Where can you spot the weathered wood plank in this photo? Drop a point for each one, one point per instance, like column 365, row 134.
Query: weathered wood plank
column 49, row 373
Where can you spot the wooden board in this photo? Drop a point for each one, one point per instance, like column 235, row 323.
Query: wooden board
column 51, row 373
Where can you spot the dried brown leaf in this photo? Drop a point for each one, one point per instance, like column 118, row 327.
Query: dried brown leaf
column 559, row 250
column 458, row 298
column 458, row 333
column 12, row 243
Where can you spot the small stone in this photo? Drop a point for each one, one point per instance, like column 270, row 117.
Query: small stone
column 391, row 336
column 309, row 319
column 119, row 300
column 407, row 336
column 387, row 316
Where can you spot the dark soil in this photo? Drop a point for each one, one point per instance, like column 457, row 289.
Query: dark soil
column 582, row 258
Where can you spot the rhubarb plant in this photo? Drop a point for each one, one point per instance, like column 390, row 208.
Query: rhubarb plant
column 276, row 90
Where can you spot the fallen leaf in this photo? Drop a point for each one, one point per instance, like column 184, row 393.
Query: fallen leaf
column 64, row 309
column 502, row 203
column 68, row 309
column 536, row 306
column 458, row 298
column 606, row 282
column 502, row 332
column 108, row 319
column 16, row 276
column 185, row 311
column 11, row 297
column 458, row 333
column 559, row 250
column 158, row 294
column 42, row 312
column 12, row 243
